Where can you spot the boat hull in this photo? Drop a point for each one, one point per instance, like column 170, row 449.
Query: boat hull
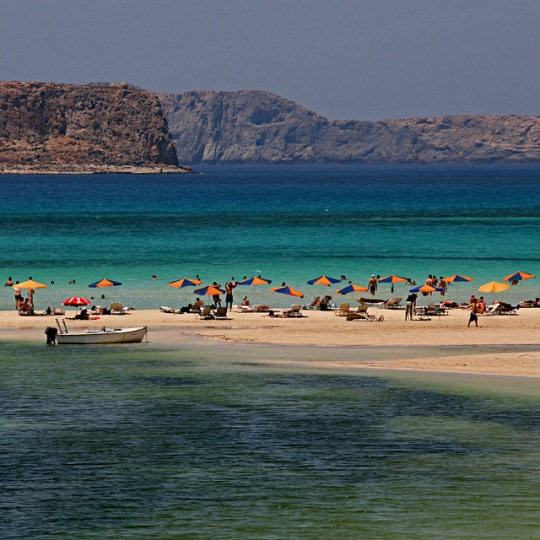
column 98, row 337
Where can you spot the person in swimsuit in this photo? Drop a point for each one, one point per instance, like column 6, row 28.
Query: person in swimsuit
column 372, row 285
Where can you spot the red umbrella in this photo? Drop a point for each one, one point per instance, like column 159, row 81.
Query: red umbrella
column 76, row 301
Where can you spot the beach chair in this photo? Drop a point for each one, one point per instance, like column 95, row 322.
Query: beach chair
column 361, row 314
column 433, row 309
column 293, row 312
column 343, row 310
column 206, row 313
column 117, row 309
column 393, row 303
column 167, row 309
column 221, row 314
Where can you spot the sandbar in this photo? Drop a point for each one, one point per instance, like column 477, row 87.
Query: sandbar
column 325, row 329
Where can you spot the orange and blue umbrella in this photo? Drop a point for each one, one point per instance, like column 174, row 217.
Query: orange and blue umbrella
column 393, row 279
column 256, row 280
column 351, row 288
column 287, row 290
column 455, row 278
column 209, row 290
column 323, row 280
column 519, row 276
column 425, row 289
column 105, row 283
column 184, row 282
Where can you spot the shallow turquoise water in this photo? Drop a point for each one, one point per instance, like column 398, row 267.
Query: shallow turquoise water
column 288, row 223
column 205, row 442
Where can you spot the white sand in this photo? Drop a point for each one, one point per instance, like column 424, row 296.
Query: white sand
column 326, row 329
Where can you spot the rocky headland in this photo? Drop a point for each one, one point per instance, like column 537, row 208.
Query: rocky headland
column 96, row 128
column 252, row 126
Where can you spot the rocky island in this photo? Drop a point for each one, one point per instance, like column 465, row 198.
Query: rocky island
column 253, row 126
column 95, row 128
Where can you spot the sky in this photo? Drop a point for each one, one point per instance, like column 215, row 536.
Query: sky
column 344, row 59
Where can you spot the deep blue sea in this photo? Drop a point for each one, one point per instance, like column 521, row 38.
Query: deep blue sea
column 287, row 223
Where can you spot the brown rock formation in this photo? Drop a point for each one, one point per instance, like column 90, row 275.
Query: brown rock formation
column 252, row 126
column 49, row 127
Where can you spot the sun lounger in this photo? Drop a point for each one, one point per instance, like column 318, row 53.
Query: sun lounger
column 344, row 310
column 362, row 315
column 433, row 309
column 221, row 314
column 167, row 309
column 293, row 312
column 393, row 303
column 502, row 308
column 206, row 313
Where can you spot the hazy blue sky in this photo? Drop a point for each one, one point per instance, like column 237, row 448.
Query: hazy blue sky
column 363, row 59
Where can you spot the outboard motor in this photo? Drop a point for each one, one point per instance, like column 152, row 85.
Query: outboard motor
column 51, row 333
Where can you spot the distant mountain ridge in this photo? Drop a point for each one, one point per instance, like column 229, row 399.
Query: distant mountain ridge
column 60, row 128
column 254, row 126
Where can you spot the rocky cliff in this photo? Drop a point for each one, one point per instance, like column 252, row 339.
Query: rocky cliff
column 49, row 127
column 255, row 126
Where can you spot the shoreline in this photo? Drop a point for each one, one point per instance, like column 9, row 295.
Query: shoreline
column 325, row 331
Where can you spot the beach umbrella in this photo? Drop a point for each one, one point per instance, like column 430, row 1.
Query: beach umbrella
column 287, row 290
column 76, row 301
column 425, row 289
column 519, row 276
column 184, row 282
column 105, row 283
column 493, row 287
column 393, row 279
column 209, row 290
column 455, row 278
column 254, row 281
column 30, row 284
column 325, row 281
column 350, row 288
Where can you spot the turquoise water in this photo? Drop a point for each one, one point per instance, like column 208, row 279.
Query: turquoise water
column 215, row 441
column 288, row 223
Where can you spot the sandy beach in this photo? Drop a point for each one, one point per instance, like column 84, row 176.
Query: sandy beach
column 325, row 329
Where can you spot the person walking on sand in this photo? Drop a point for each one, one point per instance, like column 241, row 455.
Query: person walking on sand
column 410, row 304
column 372, row 284
column 474, row 313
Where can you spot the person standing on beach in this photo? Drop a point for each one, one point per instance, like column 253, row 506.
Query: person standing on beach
column 442, row 285
column 410, row 304
column 31, row 297
column 229, row 286
column 372, row 285
column 474, row 313
column 18, row 296
column 216, row 298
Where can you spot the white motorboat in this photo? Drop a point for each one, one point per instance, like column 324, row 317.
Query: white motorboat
column 100, row 336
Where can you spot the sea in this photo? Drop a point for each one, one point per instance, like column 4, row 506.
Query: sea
column 218, row 440
column 288, row 224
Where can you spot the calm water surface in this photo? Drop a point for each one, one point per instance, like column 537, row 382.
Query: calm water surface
column 203, row 442
column 289, row 223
